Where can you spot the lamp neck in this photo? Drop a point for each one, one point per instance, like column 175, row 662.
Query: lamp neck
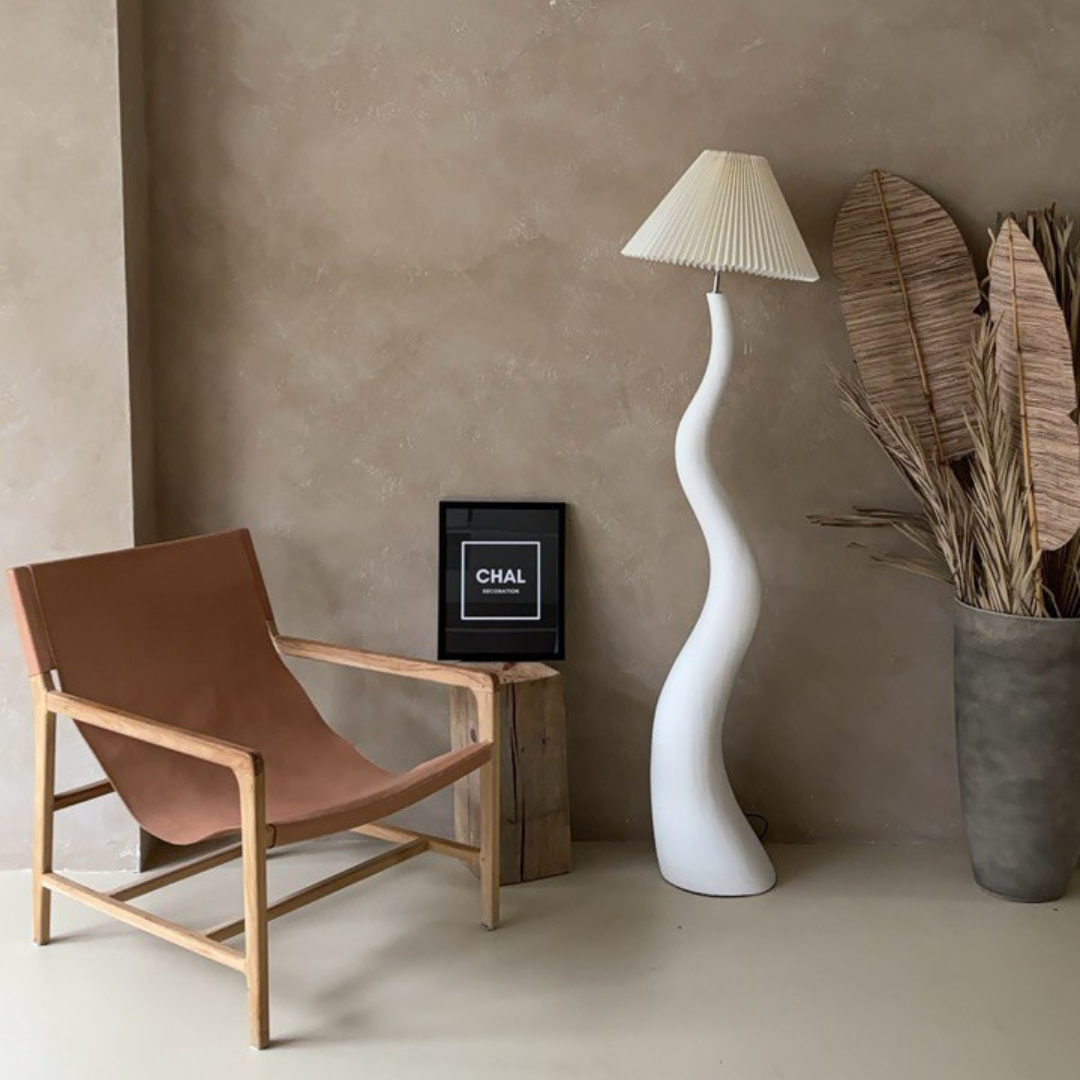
column 716, row 282
column 723, row 337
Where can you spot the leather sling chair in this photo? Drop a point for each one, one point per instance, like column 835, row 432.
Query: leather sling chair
column 168, row 660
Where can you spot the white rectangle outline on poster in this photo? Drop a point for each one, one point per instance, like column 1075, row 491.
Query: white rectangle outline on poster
column 500, row 618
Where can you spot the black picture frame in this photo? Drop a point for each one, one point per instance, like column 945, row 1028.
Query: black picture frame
column 505, row 622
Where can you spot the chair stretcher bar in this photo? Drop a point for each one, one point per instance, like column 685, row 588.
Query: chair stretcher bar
column 439, row 845
column 152, row 924
column 327, row 887
column 82, row 794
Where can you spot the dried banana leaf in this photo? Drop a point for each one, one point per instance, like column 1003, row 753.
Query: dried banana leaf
column 1034, row 359
column 908, row 291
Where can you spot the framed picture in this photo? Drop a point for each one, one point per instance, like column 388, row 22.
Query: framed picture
column 501, row 589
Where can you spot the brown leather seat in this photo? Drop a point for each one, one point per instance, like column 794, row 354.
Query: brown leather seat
column 180, row 632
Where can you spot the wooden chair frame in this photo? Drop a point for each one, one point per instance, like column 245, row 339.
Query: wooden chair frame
column 255, row 837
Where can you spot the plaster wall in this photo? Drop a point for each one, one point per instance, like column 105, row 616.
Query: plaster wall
column 384, row 268
column 65, row 445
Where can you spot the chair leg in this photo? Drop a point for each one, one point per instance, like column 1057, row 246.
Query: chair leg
column 253, row 839
column 490, row 812
column 44, row 790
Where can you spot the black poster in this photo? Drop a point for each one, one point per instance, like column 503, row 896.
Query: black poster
column 501, row 580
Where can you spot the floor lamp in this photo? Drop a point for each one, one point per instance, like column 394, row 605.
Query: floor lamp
column 725, row 213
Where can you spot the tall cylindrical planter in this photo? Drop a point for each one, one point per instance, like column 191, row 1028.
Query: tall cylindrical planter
column 1017, row 684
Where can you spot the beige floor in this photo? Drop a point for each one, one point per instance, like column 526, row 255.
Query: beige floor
column 864, row 964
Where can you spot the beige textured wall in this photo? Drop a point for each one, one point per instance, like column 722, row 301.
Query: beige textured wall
column 136, row 224
column 65, row 454
column 385, row 269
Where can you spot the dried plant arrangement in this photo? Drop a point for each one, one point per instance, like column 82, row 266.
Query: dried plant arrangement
column 972, row 393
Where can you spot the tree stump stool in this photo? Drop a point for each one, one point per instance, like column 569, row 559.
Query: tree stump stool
column 535, row 827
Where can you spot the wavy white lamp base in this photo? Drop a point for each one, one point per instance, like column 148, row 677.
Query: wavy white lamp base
column 703, row 841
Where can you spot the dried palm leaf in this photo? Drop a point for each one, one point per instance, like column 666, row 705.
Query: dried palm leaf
column 930, row 569
column 868, row 517
column 908, row 292
column 1061, row 578
column 944, row 504
column 862, row 517
column 911, row 524
column 1034, row 359
column 1006, row 573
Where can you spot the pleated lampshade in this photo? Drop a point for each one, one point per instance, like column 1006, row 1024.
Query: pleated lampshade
column 726, row 213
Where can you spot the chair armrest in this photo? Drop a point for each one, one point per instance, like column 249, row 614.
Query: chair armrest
column 481, row 682
column 239, row 759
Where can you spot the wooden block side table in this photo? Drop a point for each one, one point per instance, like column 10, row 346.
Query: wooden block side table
column 535, row 796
